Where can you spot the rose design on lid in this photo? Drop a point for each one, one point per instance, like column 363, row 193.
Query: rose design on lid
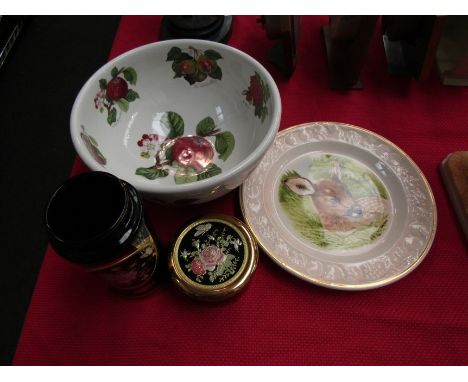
column 211, row 256
column 197, row 267
column 211, row 253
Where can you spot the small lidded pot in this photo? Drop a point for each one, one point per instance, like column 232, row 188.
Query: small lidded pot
column 213, row 258
column 96, row 220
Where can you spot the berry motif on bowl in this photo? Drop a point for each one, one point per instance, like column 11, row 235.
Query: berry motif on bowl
column 149, row 144
column 195, row 66
column 188, row 158
column 116, row 92
column 211, row 255
column 257, row 95
column 92, row 146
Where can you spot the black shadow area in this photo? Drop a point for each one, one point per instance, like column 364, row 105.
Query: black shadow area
column 50, row 61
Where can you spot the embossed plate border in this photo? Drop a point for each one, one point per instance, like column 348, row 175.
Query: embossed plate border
column 395, row 262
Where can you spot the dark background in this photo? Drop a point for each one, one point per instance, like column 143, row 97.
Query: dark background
column 52, row 58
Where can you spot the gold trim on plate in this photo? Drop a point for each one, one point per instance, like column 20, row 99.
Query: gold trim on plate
column 343, row 286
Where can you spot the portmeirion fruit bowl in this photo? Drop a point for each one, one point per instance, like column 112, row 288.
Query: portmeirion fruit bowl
column 184, row 121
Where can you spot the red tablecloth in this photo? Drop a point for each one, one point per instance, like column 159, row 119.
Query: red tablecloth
column 422, row 319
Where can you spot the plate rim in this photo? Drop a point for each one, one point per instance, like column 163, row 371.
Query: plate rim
column 343, row 286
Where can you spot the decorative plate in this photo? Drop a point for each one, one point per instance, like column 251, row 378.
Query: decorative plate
column 340, row 206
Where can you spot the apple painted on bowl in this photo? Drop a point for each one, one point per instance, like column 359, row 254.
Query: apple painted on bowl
column 184, row 121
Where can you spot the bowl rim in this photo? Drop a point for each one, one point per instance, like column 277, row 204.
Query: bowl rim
column 157, row 188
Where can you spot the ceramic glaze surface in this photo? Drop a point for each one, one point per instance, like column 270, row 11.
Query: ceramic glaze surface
column 184, row 121
column 340, row 206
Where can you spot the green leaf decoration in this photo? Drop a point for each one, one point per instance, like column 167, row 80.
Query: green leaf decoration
column 217, row 74
column 183, row 178
column 112, row 116
column 258, row 111
column 173, row 54
column 92, row 140
column 174, row 123
column 168, row 153
column 212, row 54
column 151, row 172
column 130, row 75
column 229, row 259
column 211, row 170
column 114, row 72
column 103, row 83
column 176, row 68
column 183, row 56
column 99, row 157
column 266, row 92
column 132, row 95
column 123, row 104
column 224, row 144
column 220, row 269
column 205, row 127
column 264, row 113
column 91, row 145
column 185, row 175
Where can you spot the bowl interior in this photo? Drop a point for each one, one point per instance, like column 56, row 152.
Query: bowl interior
column 174, row 112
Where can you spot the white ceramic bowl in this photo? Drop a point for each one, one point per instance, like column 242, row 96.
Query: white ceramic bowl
column 184, row 121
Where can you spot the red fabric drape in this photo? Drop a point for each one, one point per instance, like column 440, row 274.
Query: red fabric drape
column 280, row 320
